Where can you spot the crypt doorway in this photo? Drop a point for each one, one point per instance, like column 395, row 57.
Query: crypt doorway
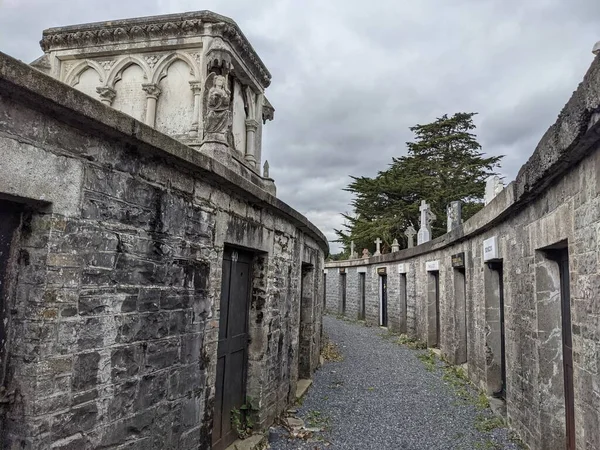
column 232, row 353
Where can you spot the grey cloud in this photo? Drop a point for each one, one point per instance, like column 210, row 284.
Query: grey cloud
column 349, row 78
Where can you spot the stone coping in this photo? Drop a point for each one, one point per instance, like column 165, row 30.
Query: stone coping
column 163, row 26
column 574, row 135
column 44, row 93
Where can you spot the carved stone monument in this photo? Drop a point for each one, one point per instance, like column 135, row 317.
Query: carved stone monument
column 216, row 108
column 453, row 215
column 410, row 233
column 395, row 246
column 427, row 217
column 378, row 243
column 493, row 186
column 366, row 253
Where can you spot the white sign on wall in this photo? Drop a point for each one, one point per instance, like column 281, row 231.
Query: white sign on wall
column 490, row 249
column 362, row 269
column 432, row 266
column 403, row 268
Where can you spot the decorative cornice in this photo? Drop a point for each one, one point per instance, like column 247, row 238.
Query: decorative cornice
column 140, row 29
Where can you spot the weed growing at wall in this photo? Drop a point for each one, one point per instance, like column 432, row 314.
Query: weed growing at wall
column 241, row 419
column 428, row 359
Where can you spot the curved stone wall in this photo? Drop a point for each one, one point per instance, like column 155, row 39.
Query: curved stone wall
column 510, row 253
column 111, row 271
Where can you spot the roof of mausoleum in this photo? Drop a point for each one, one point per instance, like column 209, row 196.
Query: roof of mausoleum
column 189, row 24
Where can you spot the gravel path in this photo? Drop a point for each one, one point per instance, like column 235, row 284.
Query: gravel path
column 381, row 396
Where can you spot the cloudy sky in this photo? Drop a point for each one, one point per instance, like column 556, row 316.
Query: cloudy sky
column 350, row 77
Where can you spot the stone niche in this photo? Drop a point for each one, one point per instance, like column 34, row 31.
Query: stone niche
column 155, row 69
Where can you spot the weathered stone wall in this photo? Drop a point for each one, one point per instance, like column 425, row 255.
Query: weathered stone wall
column 114, row 304
column 554, row 203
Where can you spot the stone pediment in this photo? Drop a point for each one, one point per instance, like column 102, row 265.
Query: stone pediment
column 175, row 26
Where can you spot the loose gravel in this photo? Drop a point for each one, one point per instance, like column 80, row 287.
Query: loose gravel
column 381, row 396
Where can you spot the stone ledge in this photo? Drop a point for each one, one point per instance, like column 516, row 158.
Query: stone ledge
column 43, row 93
column 255, row 442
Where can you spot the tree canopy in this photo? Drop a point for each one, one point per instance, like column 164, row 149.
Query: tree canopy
column 444, row 163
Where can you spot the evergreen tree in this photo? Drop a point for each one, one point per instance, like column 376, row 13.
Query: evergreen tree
column 444, row 163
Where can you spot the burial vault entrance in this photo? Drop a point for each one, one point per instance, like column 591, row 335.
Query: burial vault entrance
column 232, row 353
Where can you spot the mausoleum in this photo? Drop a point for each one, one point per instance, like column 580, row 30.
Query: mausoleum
column 153, row 289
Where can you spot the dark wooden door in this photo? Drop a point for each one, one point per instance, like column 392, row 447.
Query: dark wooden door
column 10, row 219
column 233, row 344
column 362, row 290
column 567, row 342
column 384, row 305
column 500, row 270
column 436, row 276
column 343, row 283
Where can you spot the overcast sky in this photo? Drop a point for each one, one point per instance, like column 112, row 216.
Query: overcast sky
column 350, row 77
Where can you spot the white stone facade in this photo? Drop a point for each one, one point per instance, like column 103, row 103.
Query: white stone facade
column 155, row 69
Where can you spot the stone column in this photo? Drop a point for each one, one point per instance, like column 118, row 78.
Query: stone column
column 196, row 87
column 106, row 94
column 251, row 127
column 152, row 93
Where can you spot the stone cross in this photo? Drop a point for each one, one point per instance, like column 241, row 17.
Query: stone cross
column 410, row 233
column 395, row 246
column 427, row 217
column 353, row 255
column 453, row 215
column 378, row 249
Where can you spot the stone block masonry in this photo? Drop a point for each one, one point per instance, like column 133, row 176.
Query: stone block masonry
column 517, row 286
column 112, row 289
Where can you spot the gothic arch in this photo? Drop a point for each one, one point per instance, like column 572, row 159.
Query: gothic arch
column 161, row 69
column 72, row 77
column 121, row 65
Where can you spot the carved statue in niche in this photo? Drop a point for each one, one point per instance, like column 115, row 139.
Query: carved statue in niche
column 217, row 109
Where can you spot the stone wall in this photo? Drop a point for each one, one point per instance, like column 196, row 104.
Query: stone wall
column 553, row 206
column 111, row 299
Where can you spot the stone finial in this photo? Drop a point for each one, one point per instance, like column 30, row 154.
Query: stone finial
column 266, row 169
column 493, row 186
column 378, row 243
column 395, row 246
column 427, row 216
column 410, row 233
column 596, row 49
column 366, row 253
column 453, row 215
column 353, row 254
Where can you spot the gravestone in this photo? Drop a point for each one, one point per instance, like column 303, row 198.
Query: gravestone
column 378, row 247
column 395, row 246
column 365, row 253
column 410, row 233
column 427, row 217
column 493, row 186
column 453, row 215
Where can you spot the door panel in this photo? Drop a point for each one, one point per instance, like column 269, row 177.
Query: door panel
column 567, row 342
column 232, row 350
